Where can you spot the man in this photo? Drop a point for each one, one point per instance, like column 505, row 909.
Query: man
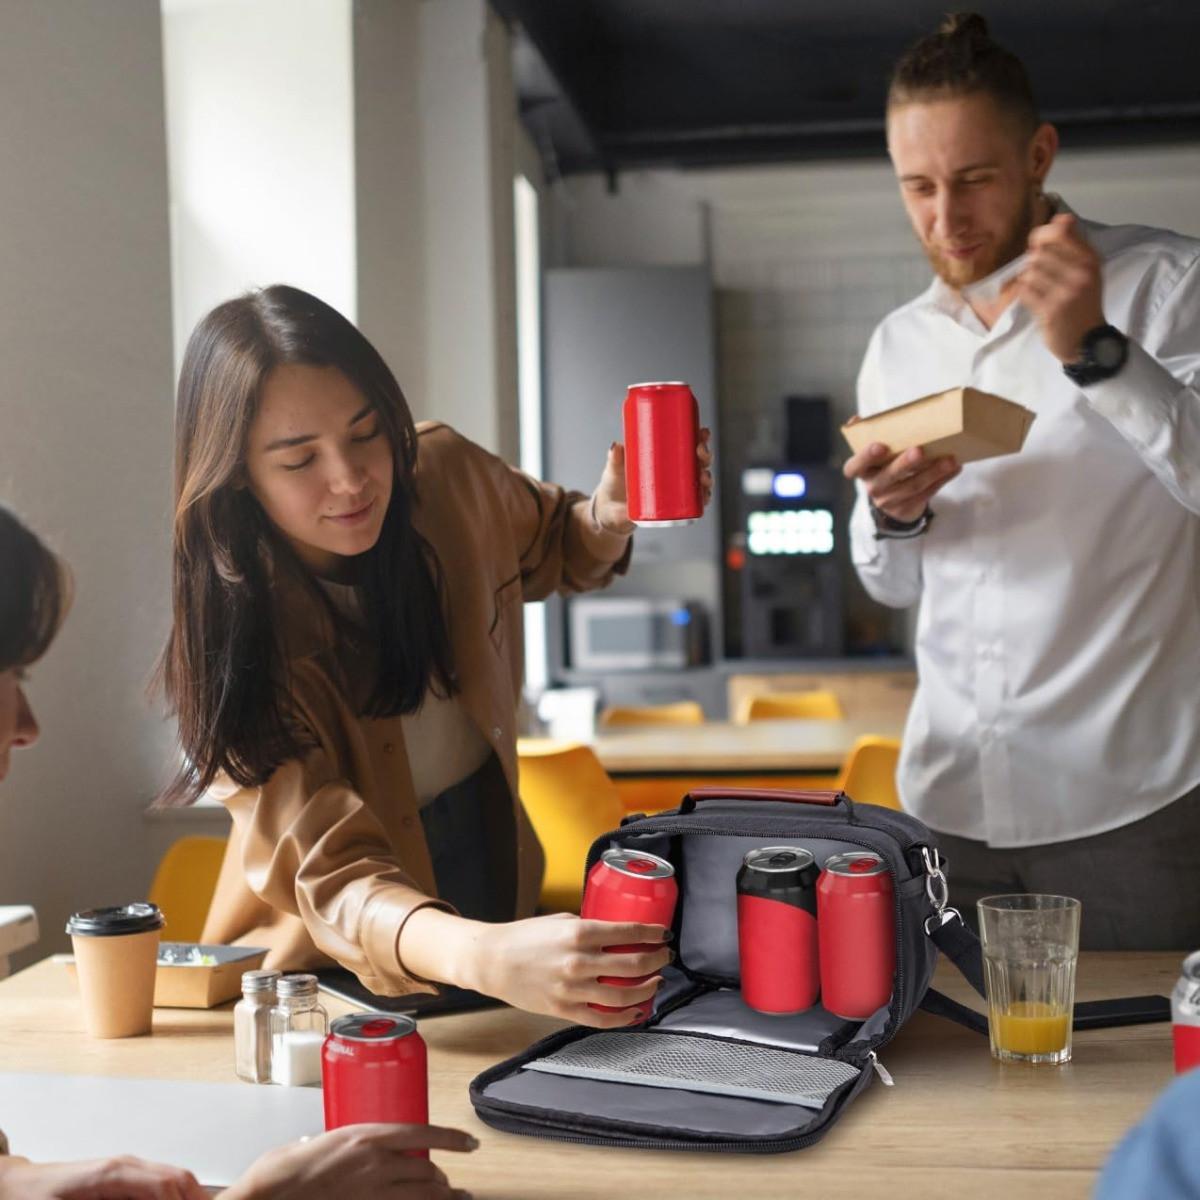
column 1053, row 742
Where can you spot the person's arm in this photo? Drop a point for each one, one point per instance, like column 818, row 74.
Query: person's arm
column 567, row 541
column 311, row 846
column 900, row 487
column 357, row 1162
column 122, row 1178
column 1153, row 402
column 549, row 965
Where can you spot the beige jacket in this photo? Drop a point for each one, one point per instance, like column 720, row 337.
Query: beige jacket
column 327, row 860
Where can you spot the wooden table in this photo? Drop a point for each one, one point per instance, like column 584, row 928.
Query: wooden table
column 955, row 1125
column 760, row 747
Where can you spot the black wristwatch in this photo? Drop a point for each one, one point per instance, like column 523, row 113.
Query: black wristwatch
column 890, row 527
column 1101, row 356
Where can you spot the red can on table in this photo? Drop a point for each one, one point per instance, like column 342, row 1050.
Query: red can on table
column 777, row 929
column 1185, row 1015
column 662, row 473
column 375, row 1068
column 629, row 885
column 856, row 933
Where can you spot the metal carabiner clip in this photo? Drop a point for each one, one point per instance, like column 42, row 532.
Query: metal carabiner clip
column 936, row 886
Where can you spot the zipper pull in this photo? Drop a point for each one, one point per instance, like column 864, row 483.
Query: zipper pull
column 885, row 1076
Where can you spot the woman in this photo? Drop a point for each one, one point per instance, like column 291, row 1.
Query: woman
column 346, row 663
column 361, row 1162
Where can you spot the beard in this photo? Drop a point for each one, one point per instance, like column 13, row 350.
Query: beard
column 959, row 273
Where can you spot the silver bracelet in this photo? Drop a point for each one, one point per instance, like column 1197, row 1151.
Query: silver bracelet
column 599, row 527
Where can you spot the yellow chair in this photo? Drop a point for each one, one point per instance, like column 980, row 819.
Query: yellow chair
column 184, row 884
column 571, row 801
column 805, row 706
column 685, row 712
column 869, row 773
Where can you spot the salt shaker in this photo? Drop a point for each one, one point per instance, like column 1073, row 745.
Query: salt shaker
column 252, row 1026
column 298, row 1028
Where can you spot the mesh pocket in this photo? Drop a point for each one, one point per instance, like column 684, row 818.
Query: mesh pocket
column 697, row 1064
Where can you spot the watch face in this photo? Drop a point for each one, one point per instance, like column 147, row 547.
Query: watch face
column 1108, row 351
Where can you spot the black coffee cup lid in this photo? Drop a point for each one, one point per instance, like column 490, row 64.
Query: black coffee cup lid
column 139, row 917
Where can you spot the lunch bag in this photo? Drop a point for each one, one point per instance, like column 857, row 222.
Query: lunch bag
column 706, row 1072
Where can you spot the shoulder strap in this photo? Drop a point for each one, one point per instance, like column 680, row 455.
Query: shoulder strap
column 957, row 942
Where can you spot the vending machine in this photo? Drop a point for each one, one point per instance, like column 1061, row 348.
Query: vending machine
column 792, row 525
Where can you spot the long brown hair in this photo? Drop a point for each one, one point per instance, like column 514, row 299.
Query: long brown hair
column 960, row 58
column 35, row 593
column 223, row 667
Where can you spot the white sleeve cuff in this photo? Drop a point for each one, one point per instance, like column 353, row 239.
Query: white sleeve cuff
column 1139, row 401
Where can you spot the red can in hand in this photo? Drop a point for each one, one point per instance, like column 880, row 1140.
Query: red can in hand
column 662, row 473
column 856, row 932
column 1185, row 1015
column 375, row 1069
column 777, row 929
column 629, row 885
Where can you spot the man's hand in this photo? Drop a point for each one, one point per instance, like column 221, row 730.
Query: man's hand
column 1062, row 286
column 105, row 1179
column 900, row 485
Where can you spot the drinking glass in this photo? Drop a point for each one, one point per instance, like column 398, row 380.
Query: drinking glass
column 1030, row 947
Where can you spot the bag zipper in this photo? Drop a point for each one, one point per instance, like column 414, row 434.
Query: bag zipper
column 500, row 1118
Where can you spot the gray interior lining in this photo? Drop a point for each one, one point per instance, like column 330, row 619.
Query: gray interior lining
column 724, row 1013
column 700, row 1064
column 708, row 941
column 657, row 1108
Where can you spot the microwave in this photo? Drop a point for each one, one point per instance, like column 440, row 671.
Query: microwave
column 629, row 633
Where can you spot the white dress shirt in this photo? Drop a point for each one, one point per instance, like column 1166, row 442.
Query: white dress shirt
column 1058, row 634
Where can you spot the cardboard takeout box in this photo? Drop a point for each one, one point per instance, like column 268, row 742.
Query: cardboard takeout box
column 963, row 422
column 184, row 984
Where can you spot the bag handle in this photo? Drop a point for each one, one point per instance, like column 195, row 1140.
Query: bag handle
column 823, row 799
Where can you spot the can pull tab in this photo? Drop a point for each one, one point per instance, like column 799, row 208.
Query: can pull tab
column 885, row 1076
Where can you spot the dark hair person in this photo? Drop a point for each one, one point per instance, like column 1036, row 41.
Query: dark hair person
column 363, row 1162
column 346, row 663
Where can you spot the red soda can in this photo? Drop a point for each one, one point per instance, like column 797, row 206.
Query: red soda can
column 777, row 929
column 856, row 933
column 1185, row 1015
column 662, row 473
column 375, row 1068
column 629, row 885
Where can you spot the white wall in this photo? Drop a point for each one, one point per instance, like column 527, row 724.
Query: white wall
column 85, row 433
column 390, row 189
column 468, row 114
column 260, row 108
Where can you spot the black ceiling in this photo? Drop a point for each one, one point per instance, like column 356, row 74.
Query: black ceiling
column 606, row 85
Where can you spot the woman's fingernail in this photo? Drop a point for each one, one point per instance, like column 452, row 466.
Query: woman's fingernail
column 472, row 1142
column 668, row 935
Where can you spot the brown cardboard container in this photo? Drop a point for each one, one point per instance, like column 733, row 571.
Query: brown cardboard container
column 963, row 422
column 202, row 985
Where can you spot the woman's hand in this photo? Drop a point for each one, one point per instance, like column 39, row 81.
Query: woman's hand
column 553, row 965
column 610, row 502
column 105, row 1179
column 356, row 1162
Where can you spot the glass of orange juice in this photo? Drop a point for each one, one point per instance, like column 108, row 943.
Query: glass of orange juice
column 1030, row 947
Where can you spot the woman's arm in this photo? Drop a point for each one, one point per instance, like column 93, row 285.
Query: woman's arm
column 548, row 965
